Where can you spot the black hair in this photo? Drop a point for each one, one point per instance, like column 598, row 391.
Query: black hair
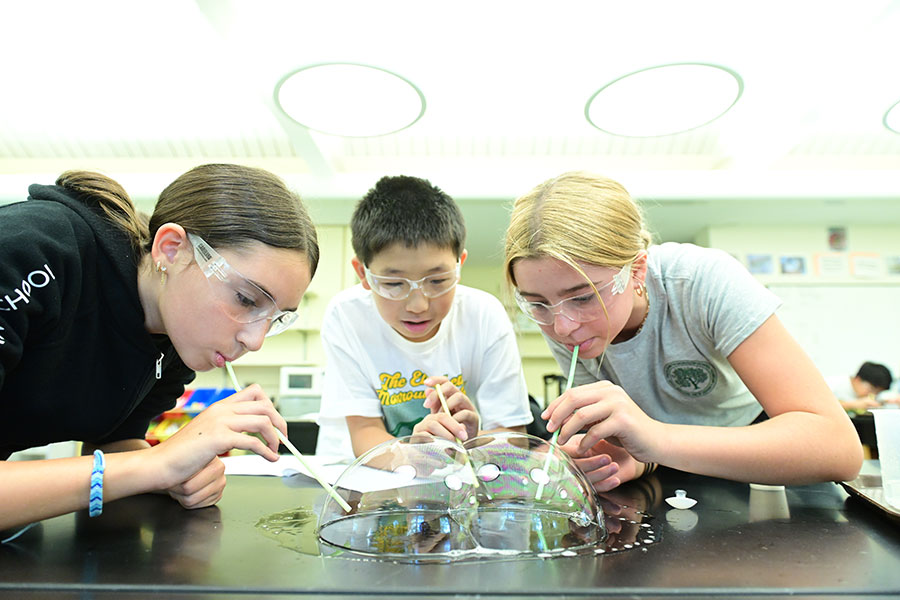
column 406, row 210
column 876, row 374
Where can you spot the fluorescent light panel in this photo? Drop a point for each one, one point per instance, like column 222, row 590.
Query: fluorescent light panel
column 664, row 100
column 892, row 118
column 350, row 100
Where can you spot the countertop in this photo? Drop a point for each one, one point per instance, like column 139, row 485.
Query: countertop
column 804, row 541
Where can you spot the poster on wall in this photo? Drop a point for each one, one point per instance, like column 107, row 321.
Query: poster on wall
column 837, row 238
column 866, row 265
column 832, row 264
column 793, row 265
column 892, row 265
column 761, row 264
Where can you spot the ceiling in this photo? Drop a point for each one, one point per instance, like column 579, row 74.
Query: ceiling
column 144, row 91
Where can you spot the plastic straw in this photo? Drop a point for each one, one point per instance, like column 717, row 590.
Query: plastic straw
column 294, row 451
column 553, row 439
column 446, row 408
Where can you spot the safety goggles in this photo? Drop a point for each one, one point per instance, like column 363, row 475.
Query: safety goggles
column 581, row 308
column 238, row 297
column 399, row 288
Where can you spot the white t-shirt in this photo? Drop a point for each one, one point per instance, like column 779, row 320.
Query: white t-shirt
column 703, row 304
column 373, row 371
column 841, row 387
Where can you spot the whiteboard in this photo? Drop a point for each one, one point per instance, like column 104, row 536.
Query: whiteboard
column 842, row 325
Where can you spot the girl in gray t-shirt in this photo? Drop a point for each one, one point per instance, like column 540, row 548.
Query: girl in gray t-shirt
column 680, row 357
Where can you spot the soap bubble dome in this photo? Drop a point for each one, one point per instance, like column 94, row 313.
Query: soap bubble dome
column 429, row 499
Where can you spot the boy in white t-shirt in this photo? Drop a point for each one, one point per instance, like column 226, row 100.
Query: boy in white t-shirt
column 408, row 327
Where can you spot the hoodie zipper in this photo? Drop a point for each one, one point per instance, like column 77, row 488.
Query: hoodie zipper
column 159, row 365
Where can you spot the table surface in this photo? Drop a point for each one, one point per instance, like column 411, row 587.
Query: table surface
column 806, row 541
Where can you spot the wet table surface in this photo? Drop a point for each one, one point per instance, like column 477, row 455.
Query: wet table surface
column 804, row 541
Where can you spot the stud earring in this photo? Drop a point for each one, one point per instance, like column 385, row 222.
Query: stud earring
column 161, row 269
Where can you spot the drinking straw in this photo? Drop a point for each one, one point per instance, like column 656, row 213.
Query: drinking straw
column 293, row 449
column 556, row 433
column 446, row 408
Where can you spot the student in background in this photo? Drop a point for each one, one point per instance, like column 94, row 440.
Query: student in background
column 105, row 316
column 857, row 393
column 408, row 327
column 679, row 349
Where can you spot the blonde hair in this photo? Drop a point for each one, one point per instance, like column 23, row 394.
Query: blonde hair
column 577, row 217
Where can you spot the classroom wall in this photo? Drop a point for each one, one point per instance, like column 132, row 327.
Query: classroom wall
column 302, row 345
column 843, row 307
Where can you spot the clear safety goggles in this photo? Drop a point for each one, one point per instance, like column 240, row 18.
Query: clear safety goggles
column 399, row 288
column 581, row 308
column 240, row 298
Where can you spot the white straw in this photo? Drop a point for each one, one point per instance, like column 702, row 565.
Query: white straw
column 440, row 394
column 294, row 451
column 556, row 433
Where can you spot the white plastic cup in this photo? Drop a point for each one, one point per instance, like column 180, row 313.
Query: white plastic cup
column 887, row 432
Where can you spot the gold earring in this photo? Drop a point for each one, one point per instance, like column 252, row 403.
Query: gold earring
column 640, row 291
column 161, row 269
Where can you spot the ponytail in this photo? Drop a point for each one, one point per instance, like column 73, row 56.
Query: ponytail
column 113, row 199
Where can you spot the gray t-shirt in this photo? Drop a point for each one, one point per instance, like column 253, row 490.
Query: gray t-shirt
column 703, row 304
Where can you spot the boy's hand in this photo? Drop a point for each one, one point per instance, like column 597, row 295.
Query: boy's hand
column 463, row 420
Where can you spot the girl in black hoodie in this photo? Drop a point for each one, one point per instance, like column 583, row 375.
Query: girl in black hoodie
column 104, row 318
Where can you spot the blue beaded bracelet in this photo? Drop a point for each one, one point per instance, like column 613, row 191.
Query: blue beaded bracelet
column 96, row 505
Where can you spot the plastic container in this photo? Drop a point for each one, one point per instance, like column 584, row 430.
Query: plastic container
column 887, row 432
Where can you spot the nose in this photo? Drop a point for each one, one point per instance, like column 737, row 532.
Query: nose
column 563, row 325
column 416, row 302
column 252, row 335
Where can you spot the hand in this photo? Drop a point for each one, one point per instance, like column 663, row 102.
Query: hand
column 604, row 464
column 608, row 413
column 191, row 451
column 204, row 488
column 461, row 423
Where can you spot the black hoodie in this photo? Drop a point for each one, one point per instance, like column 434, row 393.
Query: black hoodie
column 76, row 362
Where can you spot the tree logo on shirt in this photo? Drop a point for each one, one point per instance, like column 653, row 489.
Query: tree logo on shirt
column 691, row 377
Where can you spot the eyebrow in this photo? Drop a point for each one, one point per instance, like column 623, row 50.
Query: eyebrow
column 263, row 288
column 567, row 292
column 401, row 273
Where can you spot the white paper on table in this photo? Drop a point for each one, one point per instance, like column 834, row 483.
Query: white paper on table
column 362, row 479
column 253, row 464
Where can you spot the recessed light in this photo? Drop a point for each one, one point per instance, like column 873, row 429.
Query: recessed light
column 350, row 100
column 664, row 100
column 892, row 118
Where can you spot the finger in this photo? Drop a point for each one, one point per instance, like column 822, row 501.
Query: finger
column 607, row 484
column 206, row 496
column 432, row 402
column 593, row 463
column 251, row 393
column 593, row 414
column 598, row 475
column 434, row 380
column 442, row 425
column 449, row 424
column 213, row 471
column 603, row 429
column 268, row 449
column 568, row 405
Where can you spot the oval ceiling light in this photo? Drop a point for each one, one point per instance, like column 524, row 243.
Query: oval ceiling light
column 663, row 100
column 349, row 100
column 892, row 118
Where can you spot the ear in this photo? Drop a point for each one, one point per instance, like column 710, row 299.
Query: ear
column 360, row 272
column 462, row 257
column 170, row 239
column 639, row 269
